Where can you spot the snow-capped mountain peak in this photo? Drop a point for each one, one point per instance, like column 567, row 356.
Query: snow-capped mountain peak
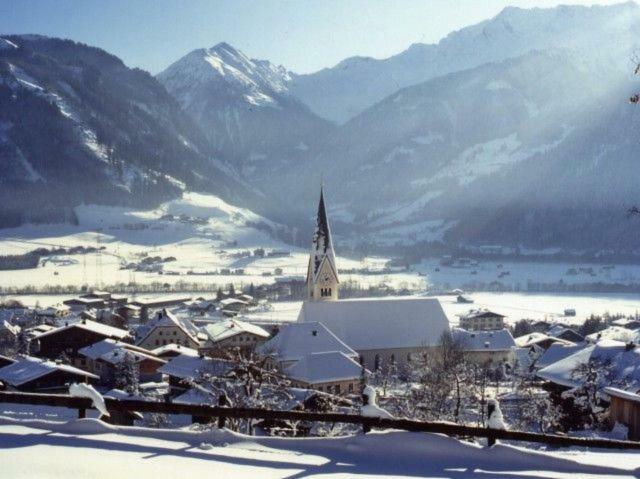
column 255, row 82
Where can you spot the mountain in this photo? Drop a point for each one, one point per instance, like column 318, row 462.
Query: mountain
column 246, row 111
column 535, row 151
column 78, row 126
column 347, row 89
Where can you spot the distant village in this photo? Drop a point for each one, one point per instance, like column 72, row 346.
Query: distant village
column 208, row 350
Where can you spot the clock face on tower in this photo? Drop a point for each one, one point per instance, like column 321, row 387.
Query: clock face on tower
column 326, row 278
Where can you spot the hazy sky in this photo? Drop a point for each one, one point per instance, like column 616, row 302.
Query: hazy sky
column 303, row 35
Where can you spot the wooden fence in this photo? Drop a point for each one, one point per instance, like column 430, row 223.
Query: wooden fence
column 221, row 413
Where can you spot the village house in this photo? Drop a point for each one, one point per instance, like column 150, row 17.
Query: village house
column 332, row 371
column 563, row 332
column 29, row 374
column 70, row 338
column 382, row 331
column 104, row 357
column 615, row 333
column 232, row 306
column 296, row 340
column 232, row 333
column 492, row 348
column 482, row 320
column 166, row 328
column 81, row 304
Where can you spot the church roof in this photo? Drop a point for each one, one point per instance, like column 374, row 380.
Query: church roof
column 322, row 245
column 324, row 367
column 381, row 323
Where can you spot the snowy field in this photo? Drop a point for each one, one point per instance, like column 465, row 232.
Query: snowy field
column 200, row 250
column 88, row 448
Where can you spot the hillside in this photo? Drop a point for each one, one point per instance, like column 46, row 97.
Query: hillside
column 78, row 126
column 246, row 111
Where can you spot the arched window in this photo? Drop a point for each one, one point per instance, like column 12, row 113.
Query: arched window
column 393, row 358
column 376, row 362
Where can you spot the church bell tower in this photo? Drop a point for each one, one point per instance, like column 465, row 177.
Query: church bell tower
column 322, row 274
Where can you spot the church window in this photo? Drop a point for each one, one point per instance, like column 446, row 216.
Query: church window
column 376, row 362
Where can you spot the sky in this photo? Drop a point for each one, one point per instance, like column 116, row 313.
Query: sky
column 302, row 35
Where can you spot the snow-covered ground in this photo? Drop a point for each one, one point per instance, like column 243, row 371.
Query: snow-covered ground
column 199, row 249
column 88, row 448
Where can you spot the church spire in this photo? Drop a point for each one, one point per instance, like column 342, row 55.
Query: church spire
column 322, row 274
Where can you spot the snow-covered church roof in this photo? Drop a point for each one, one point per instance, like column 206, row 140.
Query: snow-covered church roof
column 380, row 323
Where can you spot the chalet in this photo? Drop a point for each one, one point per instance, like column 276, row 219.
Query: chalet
column 39, row 375
column 232, row 306
column 166, row 328
column 629, row 323
column 624, row 408
column 487, row 347
column 70, row 338
column 186, row 367
column 333, row 372
column 482, row 320
column 104, row 357
column 296, row 340
column 232, row 333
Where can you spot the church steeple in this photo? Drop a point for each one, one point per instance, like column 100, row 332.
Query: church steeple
column 322, row 274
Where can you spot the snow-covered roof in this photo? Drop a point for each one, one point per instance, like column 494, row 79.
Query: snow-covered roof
column 324, row 367
column 114, row 352
column 93, row 326
column 623, row 364
column 229, row 301
column 530, row 339
column 230, row 327
column 190, row 366
column 166, row 318
column 481, row 313
column 13, row 329
column 556, row 352
column 615, row 333
column 382, row 323
column 499, row 340
column 178, row 348
column 296, row 340
column 27, row 369
column 621, row 393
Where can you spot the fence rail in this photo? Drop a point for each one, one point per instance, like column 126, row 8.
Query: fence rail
column 206, row 411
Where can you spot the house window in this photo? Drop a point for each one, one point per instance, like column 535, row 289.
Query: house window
column 159, row 333
column 336, row 388
column 350, row 387
column 157, row 342
column 174, row 333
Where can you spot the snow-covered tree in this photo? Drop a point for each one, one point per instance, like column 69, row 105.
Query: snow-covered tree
column 127, row 374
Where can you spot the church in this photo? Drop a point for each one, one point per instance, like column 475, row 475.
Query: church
column 381, row 330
